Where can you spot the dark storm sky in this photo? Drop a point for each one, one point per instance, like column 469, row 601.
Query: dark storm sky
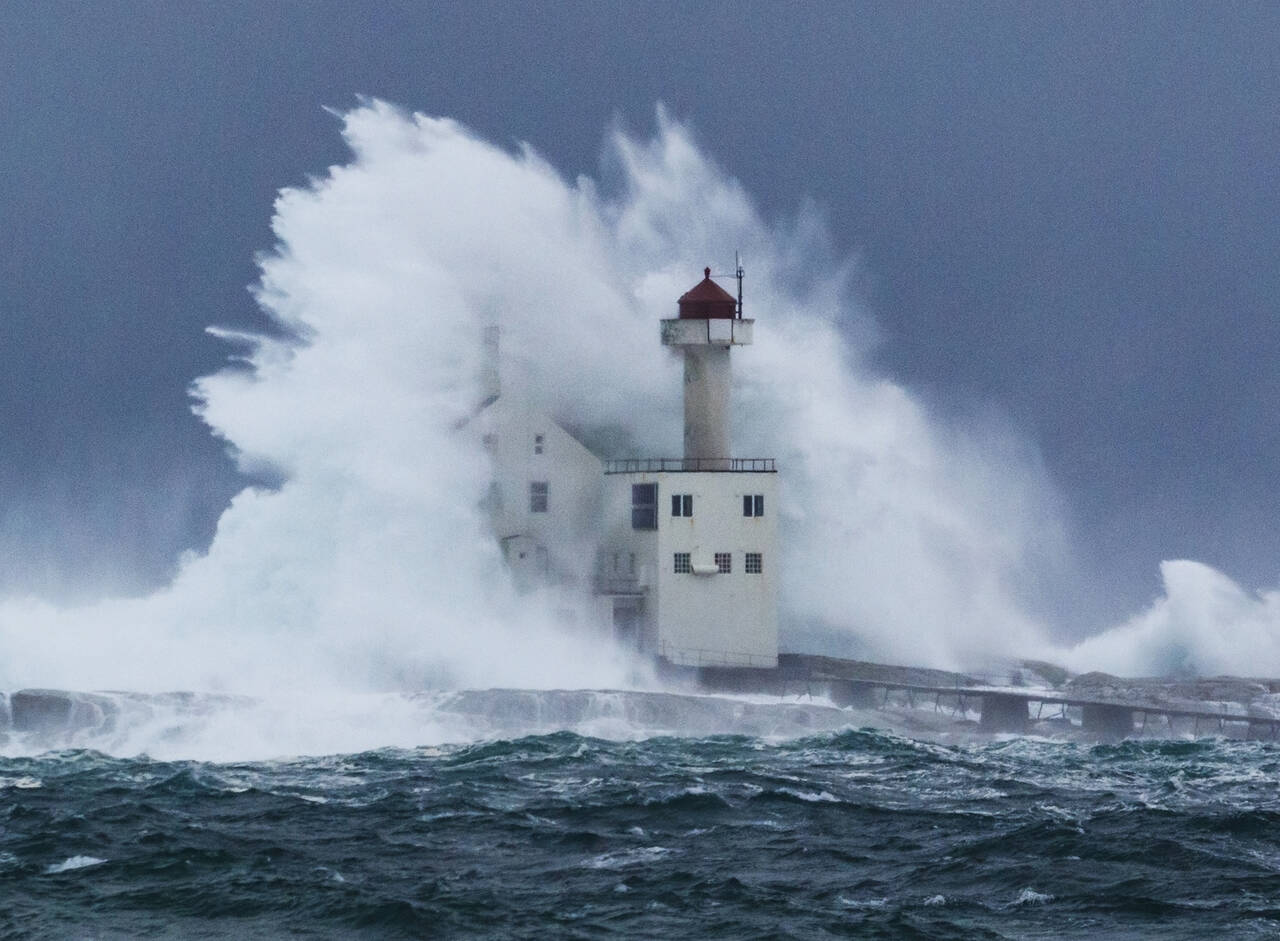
column 1066, row 213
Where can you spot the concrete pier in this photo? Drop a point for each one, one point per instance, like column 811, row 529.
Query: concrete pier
column 854, row 693
column 1002, row 712
column 1108, row 721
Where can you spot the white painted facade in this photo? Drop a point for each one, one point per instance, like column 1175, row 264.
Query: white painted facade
column 696, row 615
column 708, row 379
column 544, row 500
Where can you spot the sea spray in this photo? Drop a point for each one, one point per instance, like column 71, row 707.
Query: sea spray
column 369, row 566
column 1204, row 624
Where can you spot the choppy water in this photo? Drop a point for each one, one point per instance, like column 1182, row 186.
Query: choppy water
column 852, row 833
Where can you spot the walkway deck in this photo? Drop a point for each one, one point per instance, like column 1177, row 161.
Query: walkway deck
column 1000, row 708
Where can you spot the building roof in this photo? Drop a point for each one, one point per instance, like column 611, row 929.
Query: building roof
column 707, row 300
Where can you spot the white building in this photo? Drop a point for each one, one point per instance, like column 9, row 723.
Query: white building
column 544, row 500
column 680, row 553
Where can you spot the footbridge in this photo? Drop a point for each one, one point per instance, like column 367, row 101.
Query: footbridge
column 999, row 708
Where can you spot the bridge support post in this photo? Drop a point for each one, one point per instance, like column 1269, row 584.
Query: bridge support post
column 1261, row 729
column 1111, row 722
column 1002, row 712
column 853, row 693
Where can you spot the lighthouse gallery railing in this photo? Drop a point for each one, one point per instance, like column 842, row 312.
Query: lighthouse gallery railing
column 666, row 465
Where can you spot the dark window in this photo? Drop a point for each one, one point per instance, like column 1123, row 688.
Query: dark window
column 755, row 563
column 537, row 444
column 644, row 506
column 538, row 496
column 682, row 504
column 682, row 564
column 753, row 504
column 724, row 562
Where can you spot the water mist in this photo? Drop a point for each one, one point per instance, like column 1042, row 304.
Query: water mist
column 369, row 569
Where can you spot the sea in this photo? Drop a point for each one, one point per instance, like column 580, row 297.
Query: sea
column 619, row 830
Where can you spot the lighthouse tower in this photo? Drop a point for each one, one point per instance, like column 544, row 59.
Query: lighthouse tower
column 709, row 324
column 688, row 564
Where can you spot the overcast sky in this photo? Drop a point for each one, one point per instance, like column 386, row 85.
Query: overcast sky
column 1065, row 215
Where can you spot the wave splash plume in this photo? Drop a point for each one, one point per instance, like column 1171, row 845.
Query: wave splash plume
column 366, row 567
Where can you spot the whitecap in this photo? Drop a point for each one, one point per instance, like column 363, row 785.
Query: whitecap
column 73, row 862
column 23, row 783
column 624, row 858
column 813, row 797
column 1030, row 896
column 862, row 903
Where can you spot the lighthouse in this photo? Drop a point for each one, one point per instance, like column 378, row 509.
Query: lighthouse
column 681, row 552
column 707, row 326
column 688, row 565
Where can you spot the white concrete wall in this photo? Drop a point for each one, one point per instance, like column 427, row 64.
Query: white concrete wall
column 705, row 345
column 703, row 619
column 619, row 543
column 707, row 382
column 566, row 535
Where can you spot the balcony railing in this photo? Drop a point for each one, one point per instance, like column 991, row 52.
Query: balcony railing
column 619, row 585
column 668, row 465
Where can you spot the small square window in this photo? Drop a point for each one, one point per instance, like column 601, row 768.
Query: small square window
column 755, row 563
column 682, row 564
column 682, row 504
column 753, row 504
column 538, row 496
column 538, row 442
column 724, row 562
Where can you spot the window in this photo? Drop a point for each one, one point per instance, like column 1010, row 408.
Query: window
column 538, row 496
column 631, row 565
column 753, row 504
column 755, row 563
column 724, row 562
column 493, row 498
column 682, row 564
column 538, row 441
column 644, row 506
column 682, row 504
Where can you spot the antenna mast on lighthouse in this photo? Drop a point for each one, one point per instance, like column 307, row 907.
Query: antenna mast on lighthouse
column 737, row 270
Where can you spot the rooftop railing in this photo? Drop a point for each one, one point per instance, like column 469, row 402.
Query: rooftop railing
column 668, row 465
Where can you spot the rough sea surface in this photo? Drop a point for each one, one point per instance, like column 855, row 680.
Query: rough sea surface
column 839, row 834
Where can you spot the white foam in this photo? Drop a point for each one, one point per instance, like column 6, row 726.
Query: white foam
column 1204, row 624
column 73, row 863
column 1030, row 896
